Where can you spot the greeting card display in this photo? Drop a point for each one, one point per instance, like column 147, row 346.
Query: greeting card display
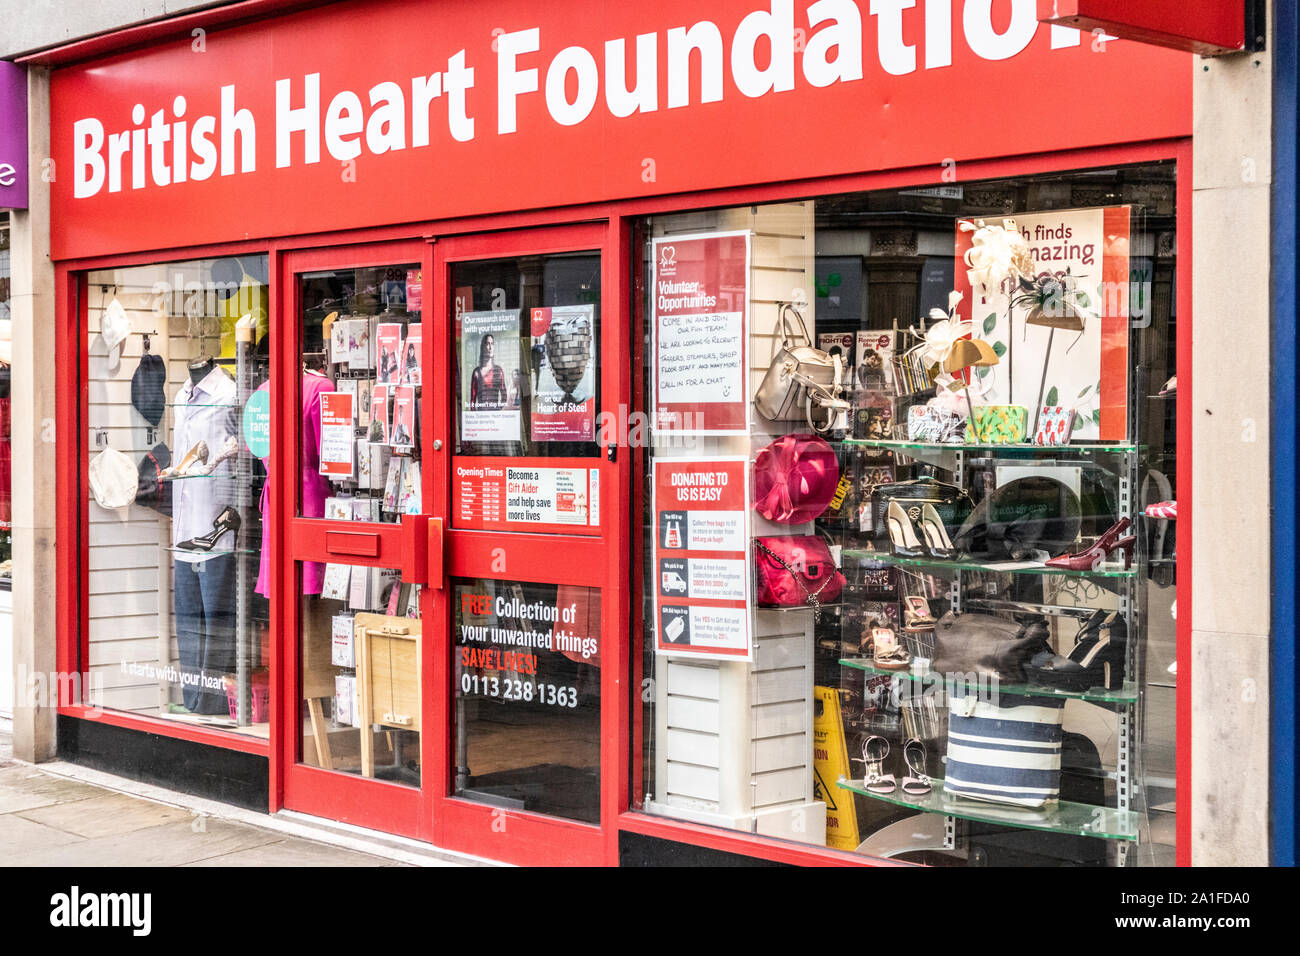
column 411, row 373
column 388, row 349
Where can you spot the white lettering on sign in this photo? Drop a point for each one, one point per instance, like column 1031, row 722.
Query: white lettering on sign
column 572, row 81
column 8, row 175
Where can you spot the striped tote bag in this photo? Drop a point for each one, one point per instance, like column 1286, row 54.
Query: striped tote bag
column 1008, row 751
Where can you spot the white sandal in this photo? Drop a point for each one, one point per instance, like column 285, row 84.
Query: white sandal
column 918, row 783
column 873, row 779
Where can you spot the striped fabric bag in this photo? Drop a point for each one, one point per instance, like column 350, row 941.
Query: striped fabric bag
column 1005, row 752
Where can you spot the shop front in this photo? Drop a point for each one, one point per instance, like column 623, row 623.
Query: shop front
column 635, row 436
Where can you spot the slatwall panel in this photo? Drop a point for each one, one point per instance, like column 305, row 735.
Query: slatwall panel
column 734, row 738
column 129, row 572
column 692, row 743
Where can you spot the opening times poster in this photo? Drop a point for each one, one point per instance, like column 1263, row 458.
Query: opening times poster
column 701, row 558
column 489, row 364
column 564, row 370
column 701, row 299
column 489, row 494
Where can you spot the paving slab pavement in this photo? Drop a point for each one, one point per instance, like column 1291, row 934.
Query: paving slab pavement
column 49, row 819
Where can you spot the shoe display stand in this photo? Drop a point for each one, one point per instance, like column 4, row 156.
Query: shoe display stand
column 1123, row 820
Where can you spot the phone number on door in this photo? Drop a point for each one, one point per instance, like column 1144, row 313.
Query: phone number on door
column 509, row 689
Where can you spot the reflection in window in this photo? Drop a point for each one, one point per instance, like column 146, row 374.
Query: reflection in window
column 175, row 451
column 526, row 680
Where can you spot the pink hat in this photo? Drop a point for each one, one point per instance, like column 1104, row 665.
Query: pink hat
column 794, row 479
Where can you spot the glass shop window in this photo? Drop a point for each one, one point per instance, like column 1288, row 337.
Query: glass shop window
column 177, row 434
column 908, row 553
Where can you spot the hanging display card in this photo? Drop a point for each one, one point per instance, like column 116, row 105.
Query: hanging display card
column 379, row 415
column 403, row 432
column 489, row 361
column 414, row 290
column 701, row 558
column 336, row 446
column 1085, row 370
column 564, row 364
column 388, row 350
column 411, row 355
column 701, row 299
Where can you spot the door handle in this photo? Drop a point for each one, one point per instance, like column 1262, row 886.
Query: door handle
column 422, row 550
column 435, row 553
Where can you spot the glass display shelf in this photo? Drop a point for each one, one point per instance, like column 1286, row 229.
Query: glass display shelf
column 801, row 607
column 989, row 567
column 215, row 474
column 211, row 554
column 203, row 404
column 1079, row 819
column 1021, row 448
column 1128, row 694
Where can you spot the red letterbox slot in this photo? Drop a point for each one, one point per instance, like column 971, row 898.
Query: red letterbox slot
column 356, row 543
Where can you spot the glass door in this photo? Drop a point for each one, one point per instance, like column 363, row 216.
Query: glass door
column 353, row 571
column 526, row 653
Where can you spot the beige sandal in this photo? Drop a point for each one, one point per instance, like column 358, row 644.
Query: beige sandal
column 888, row 654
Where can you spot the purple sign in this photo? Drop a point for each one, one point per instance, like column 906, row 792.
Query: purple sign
column 13, row 136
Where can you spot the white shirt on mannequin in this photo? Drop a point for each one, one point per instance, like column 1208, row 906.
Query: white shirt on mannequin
column 204, row 412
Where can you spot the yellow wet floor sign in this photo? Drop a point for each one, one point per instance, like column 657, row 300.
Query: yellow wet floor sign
column 830, row 762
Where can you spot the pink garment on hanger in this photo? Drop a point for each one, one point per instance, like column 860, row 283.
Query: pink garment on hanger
column 315, row 486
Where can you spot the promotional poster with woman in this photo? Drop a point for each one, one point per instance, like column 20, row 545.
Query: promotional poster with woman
column 489, row 362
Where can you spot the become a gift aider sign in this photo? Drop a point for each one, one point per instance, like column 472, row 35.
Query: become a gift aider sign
column 369, row 113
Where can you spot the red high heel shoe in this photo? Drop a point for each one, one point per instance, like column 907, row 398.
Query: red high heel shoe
column 1092, row 558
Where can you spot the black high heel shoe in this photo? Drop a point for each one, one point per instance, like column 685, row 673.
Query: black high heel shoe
column 228, row 520
column 1097, row 659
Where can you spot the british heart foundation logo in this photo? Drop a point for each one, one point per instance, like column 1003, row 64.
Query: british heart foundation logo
column 667, row 261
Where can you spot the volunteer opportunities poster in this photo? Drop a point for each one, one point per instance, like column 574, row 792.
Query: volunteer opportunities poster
column 701, row 558
column 701, row 297
column 489, row 376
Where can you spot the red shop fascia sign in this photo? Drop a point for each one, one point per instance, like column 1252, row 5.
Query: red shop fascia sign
column 285, row 127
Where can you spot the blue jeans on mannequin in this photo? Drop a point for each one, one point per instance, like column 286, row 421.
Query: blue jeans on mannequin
column 205, row 631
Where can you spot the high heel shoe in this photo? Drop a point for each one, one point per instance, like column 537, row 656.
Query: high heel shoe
column 902, row 536
column 1091, row 559
column 874, row 751
column 917, row 783
column 1097, row 659
column 228, row 520
column 229, row 450
column 195, row 457
column 936, row 537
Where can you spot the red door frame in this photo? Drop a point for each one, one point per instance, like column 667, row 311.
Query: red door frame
column 617, row 731
column 464, row 825
column 376, row 804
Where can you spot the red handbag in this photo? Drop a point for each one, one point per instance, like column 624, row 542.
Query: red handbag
column 796, row 571
column 795, row 478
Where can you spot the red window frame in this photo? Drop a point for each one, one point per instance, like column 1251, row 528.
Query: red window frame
column 622, row 734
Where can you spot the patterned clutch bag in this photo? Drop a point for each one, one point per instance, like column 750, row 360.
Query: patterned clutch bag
column 997, row 425
column 1055, row 425
column 933, row 425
